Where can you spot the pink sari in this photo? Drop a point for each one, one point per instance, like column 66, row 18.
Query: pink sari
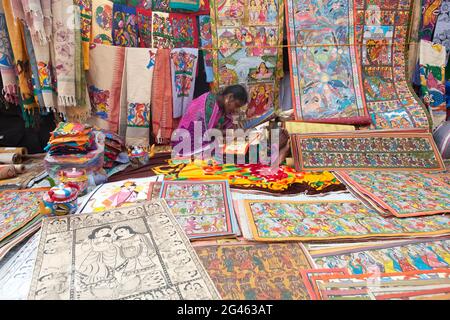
column 205, row 110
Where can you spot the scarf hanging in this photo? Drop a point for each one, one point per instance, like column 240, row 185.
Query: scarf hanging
column 189, row 5
column 432, row 62
column 105, row 84
column 34, row 18
column 37, row 91
column 430, row 11
column 17, row 10
column 85, row 27
column 144, row 17
column 160, row 5
column 140, row 64
column 46, row 6
column 161, row 30
column 102, row 15
column 184, row 30
column 162, row 102
column 38, row 48
column 21, row 59
column 184, row 68
column 125, row 27
column 80, row 75
column 206, row 42
column 65, row 55
column 10, row 88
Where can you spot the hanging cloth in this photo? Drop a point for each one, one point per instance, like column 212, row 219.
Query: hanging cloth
column 34, row 19
column 125, row 26
column 162, row 102
column 37, row 91
column 65, row 51
column 140, row 64
column 145, row 27
column 189, row 5
column 38, row 47
column 7, row 70
column 184, row 68
column 85, row 27
column 102, row 15
column 206, row 42
column 21, row 59
column 104, row 80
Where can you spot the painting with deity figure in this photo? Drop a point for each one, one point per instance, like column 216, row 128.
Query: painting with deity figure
column 389, row 258
column 133, row 253
column 348, row 63
column 203, row 208
column 256, row 271
column 249, row 35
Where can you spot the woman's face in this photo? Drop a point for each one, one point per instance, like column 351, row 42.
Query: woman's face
column 122, row 232
column 232, row 105
column 102, row 232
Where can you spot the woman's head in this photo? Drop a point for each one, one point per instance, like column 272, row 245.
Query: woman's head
column 263, row 68
column 100, row 232
column 124, row 232
column 234, row 97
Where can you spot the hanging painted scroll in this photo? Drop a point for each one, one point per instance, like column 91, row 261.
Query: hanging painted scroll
column 382, row 37
column 348, row 63
column 248, row 36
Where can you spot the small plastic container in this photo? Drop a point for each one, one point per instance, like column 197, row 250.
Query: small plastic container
column 76, row 176
column 61, row 200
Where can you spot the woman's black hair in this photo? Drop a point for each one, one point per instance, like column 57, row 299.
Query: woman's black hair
column 238, row 92
column 127, row 228
column 94, row 232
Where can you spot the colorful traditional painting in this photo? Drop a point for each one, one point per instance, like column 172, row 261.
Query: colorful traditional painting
column 327, row 85
column 184, row 30
column 206, row 42
column 160, row 5
column 183, row 69
column 18, row 208
column 102, row 21
column 403, row 194
column 346, row 69
column 145, row 27
column 272, row 220
column 105, row 85
column 249, row 35
column 256, row 177
column 432, row 61
column 203, row 208
column 307, row 274
column 256, row 271
column 161, row 30
column 138, row 115
column 366, row 150
column 133, row 253
column 419, row 255
column 371, row 287
column 121, row 194
column 125, row 26
column 390, row 100
column 99, row 101
column 430, row 13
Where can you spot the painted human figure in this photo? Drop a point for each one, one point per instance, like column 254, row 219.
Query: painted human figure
column 101, row 259
column 126, row 194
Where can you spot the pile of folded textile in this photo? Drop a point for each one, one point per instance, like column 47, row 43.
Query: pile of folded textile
column 71, row 138
column 74, row 145
column 114, row 150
